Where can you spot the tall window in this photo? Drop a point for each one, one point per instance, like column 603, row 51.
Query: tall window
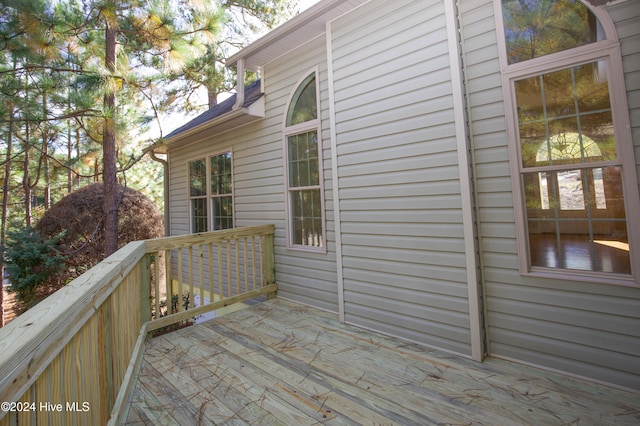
column 576, row 186
column 211, row 193
column 304, row 168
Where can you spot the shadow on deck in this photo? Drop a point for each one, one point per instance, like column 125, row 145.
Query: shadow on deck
column 281, row 362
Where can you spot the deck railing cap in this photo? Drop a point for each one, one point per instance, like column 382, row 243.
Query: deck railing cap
column 33, row 338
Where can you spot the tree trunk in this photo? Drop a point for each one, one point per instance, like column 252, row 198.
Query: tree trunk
column 25, row 178
column 5, row 204
column 45, row 156
column 109, row 170
column 70, row 127
column 69, row 158
column 213, row 97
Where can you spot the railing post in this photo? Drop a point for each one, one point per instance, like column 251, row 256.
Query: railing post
column 145, row 288
column 271, row 263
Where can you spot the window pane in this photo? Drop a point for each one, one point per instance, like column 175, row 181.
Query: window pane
column 306, row 217
column 576, row 220
column 535, row 28
column 303, row 160
column 221, row 179
column 222, row 208
column 570, row 190
column 598, row 189
column 564, row 117
column 199, row 215
column 197, row 178
column 304, row 104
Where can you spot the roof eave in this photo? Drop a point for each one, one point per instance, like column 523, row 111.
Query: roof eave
column 231, row 120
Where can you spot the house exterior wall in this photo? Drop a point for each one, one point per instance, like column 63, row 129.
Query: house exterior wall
column 388, row 121
column 258, row 167
column 626, row 17
column 399, row 190
column 586, row 329
column 308, row 277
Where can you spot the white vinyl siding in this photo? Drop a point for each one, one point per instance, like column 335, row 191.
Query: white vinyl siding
column 400, row 206
column 308, row 277
column 627, row 19
column 582, row 328
column 259, row 194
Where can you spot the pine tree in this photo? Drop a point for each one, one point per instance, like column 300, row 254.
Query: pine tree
column 30, row 261
column 86, row 76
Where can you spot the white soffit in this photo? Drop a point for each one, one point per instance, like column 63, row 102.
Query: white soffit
column 298, row 30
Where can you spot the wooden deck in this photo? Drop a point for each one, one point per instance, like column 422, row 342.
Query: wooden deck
column 284, row 363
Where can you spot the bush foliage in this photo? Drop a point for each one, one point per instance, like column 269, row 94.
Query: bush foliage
column 80, row 215
column 69, row 239
column 31, row 261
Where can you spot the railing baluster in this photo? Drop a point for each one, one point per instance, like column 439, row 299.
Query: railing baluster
column 201, row 275
column 156, row 283
column 262, row 277
column 229, row 289
column 220, row 269
column 190, row 260
column 271, row 261
column 211, row 275
column 246, row 264
column 253, row 262
column 237, row 263
column 178, row 304
column 168, row 281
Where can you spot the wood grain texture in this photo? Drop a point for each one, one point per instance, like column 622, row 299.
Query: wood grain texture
column 284, row 363
column 75, row 346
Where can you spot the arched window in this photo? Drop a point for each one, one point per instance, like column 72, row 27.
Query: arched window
column 303, row 106
column 572, row 155
column 305, row 200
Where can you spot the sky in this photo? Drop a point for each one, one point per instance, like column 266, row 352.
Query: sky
column 305, row 4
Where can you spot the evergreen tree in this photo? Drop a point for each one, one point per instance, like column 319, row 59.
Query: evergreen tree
column 245, row 21
column 30, row 261
column 80, row 79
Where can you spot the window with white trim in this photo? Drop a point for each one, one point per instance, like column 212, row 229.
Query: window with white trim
column 211, row 193
column 566, row 104
column 305, row 201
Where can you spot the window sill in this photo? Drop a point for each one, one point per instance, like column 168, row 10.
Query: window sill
column 583, row 276
column 308, row 249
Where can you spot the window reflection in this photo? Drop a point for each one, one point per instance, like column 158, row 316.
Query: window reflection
column 535, row 28
column 303, row 105
column 576, row 219
column 565, row 117
column 569, row 165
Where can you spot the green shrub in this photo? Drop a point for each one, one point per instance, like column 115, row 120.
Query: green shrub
column 30, row 261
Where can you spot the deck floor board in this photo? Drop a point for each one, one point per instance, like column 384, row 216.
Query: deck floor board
column 280, row 362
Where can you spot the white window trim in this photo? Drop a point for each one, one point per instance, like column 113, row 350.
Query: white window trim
column 209, row 196
column 608, row 49
column 294, row 130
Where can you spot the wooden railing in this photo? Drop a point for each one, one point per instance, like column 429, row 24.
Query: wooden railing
column 71, row 359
